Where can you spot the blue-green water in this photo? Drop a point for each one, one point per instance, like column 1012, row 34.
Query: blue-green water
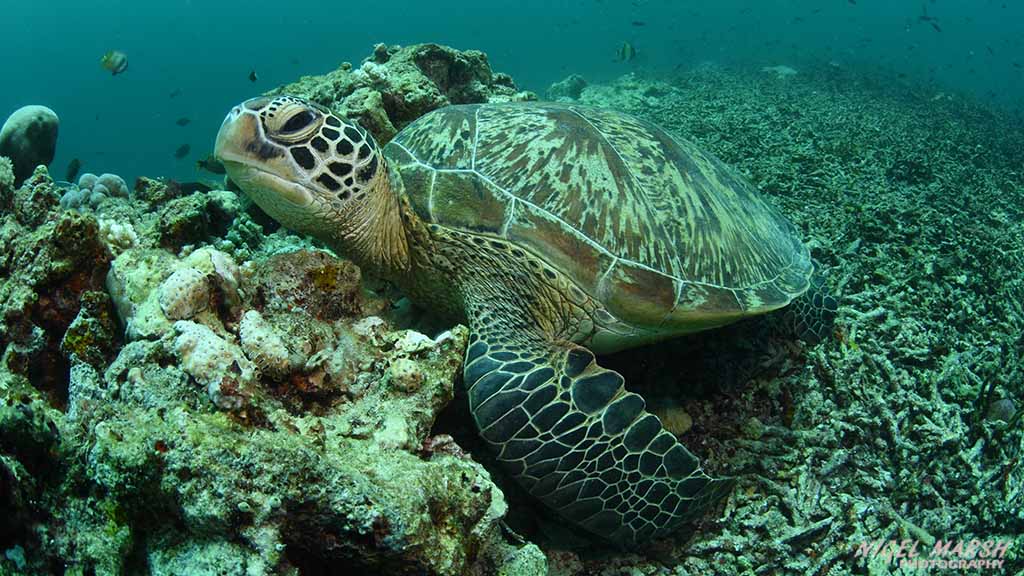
column 192, row 59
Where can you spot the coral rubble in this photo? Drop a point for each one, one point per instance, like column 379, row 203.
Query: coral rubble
column 902, row 426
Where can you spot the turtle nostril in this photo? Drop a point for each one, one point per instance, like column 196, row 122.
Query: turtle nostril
column 234, row 113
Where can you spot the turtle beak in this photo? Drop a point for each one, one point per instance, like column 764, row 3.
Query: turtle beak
column 239, row 139
column 258, row 166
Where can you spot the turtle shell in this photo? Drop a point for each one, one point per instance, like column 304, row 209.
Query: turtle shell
column 661, row 232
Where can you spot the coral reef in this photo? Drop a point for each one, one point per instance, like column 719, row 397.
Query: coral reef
column 52, row 263
column 6, row 184
column 29, row 139
column 92, row 190
column 397, row 84
column 571, row 88
column 187, row 388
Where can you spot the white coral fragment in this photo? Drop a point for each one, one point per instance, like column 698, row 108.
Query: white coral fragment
column 213, row 362
column 184, row 294
column 263, row 345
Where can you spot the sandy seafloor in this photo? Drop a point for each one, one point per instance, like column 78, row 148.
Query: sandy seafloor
column 906, row 424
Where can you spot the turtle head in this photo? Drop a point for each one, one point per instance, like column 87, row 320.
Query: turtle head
column 311, row 170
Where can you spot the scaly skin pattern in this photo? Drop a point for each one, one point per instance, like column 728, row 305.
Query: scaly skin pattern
column 539, row 229
column 564, row 427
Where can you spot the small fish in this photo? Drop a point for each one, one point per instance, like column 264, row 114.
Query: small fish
column 626, row 52
column 639, row 23
column 210, row 164
column 252, row 75
column 989, row 48
column 182, row 151
column 190, row 187
column 183, row 121
column 852, row 2
column 73, row 167
column 924, row 17
column 115, row 62
column 1017, row 65
column 175, row 93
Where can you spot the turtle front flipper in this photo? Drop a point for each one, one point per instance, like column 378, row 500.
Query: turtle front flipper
column 571, row 435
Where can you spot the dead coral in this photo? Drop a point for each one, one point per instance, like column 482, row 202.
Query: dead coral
column 48, row 272
column 914, row 205
column 324, row 286
column 399, row 84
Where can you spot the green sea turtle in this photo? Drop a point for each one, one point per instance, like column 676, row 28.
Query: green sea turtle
column 555, row 232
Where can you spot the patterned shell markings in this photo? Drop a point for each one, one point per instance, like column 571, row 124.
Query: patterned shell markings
column 651, row 225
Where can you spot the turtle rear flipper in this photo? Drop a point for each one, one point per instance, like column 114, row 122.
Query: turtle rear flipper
column 812, row 314
column 573, row 437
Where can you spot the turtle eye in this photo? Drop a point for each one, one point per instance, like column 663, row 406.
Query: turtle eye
column 293, row 122
column 298, row 121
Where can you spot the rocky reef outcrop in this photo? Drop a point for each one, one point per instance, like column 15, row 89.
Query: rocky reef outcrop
column 245, row 408
column 29, row 139
column 187, row 388
column 397, row 85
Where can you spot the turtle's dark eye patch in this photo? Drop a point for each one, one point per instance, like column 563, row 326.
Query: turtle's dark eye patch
column 320, row 144
column 353, row 134
column 332, row 121
column 364, row 151
column 303, row 157
column 328, row 182
column 340, row 168
column 344, row 147
column 298, row 121
column 330, row 134
column 264, row 150
column 367, row 172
